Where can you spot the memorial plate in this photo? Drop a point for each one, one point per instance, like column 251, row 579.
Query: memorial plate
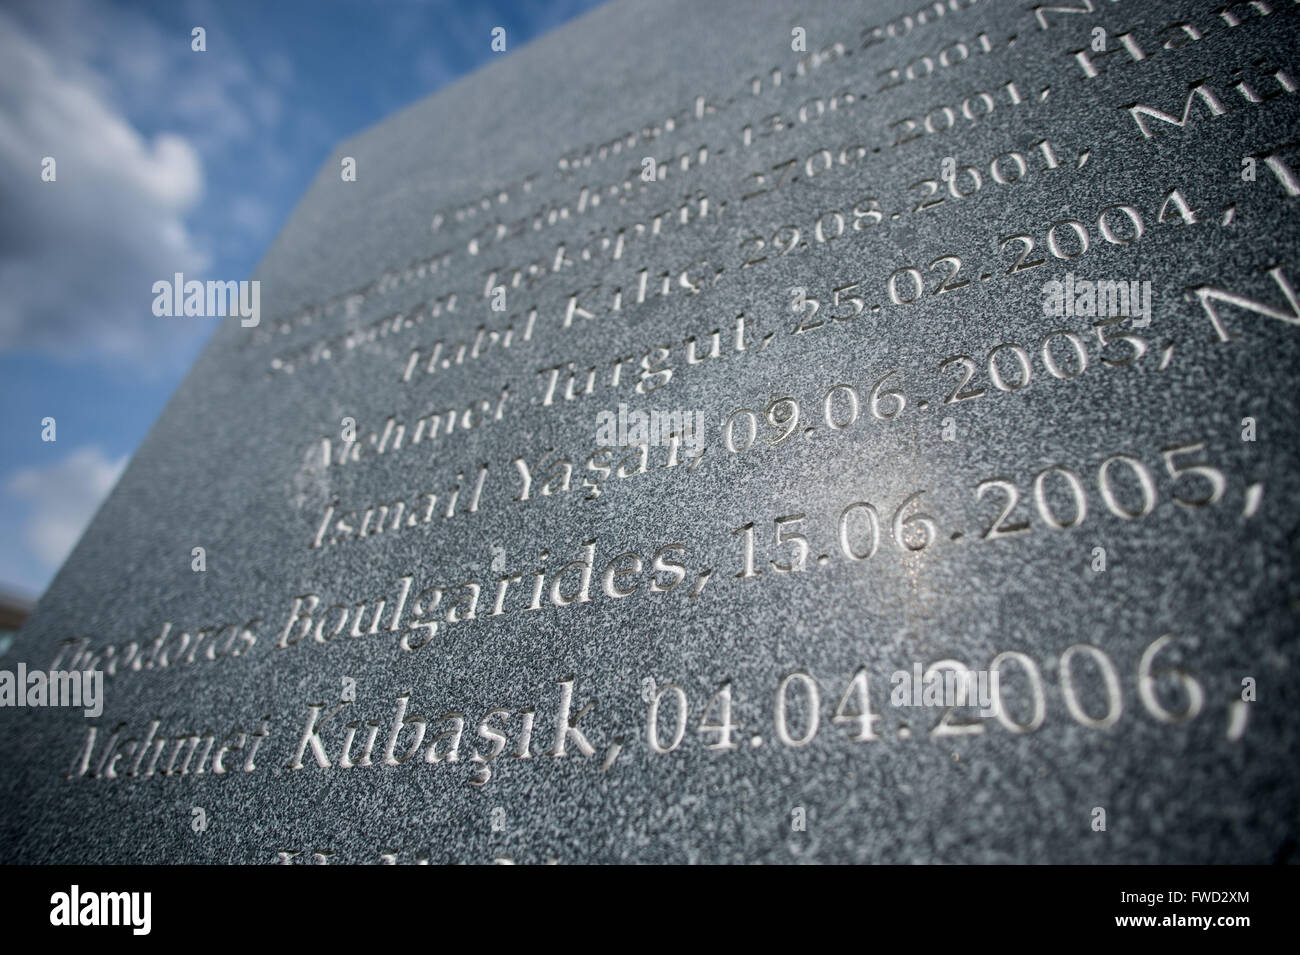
column 729, row 432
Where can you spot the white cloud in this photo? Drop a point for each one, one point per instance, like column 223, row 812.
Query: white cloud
column 78, row 256
column 140, row 127
column 61, row 499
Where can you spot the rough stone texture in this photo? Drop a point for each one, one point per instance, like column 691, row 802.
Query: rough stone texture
column 229, row 467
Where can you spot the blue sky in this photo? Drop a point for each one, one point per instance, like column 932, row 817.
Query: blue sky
column 168, row 160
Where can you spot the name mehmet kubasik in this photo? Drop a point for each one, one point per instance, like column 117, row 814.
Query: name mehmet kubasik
column 83, row 688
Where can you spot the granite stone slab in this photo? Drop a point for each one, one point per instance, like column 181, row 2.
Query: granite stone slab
column 876, row 455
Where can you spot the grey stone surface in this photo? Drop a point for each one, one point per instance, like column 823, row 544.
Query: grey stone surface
column 234, row 466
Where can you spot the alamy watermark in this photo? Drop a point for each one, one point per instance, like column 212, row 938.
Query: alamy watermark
column 83, row 688
column 626, row 428
column 75, row 907
column 1104, row 297
column 946, row 684
column 195, row 299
